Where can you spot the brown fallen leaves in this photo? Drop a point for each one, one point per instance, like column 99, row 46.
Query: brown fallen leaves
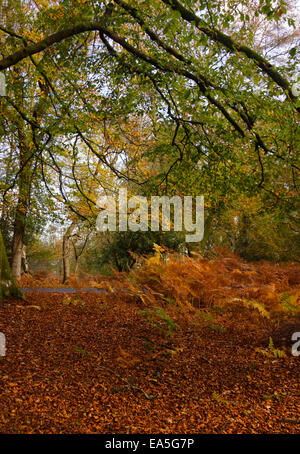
column 97, row 364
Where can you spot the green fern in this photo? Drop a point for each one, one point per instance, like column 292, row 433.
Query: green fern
column 158, row 318
column 275, row 351
column 287, row 301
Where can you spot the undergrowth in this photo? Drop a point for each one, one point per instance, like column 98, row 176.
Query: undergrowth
column 196, row 283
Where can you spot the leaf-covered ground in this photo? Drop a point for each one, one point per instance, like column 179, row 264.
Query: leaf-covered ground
column 96, row 364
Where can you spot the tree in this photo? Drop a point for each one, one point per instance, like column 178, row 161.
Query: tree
column 224, row 106
column 8, row 287
column 66, row 252
column 121, row 250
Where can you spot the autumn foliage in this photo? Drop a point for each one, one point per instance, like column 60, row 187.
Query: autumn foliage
column 200, row 283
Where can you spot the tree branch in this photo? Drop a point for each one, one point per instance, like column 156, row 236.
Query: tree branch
column 233, row 46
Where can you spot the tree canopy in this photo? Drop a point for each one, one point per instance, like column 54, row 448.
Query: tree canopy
column 188, row 97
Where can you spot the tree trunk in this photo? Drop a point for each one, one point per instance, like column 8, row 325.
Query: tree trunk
column 78, row 253
column 24, row 187
column 8, row 286
column 17, row 249
column 66, row 258
column 76, row 265
column 25, row 265
column 66, row 253
column 207, row 232
column 26, row 146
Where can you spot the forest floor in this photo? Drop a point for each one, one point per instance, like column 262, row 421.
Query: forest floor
column 184, row 345
column 92, row 364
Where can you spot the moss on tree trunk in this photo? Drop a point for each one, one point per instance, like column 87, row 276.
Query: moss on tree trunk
column 8, row 287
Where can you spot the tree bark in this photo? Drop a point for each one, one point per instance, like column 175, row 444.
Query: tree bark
column 17, row 248
column 25, row 146
column 24, row 185
column 78, row 253
column 25, row 265
column 8, row 286
column 66, row 253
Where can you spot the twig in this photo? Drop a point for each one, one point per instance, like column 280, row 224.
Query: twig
column 130, row 385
